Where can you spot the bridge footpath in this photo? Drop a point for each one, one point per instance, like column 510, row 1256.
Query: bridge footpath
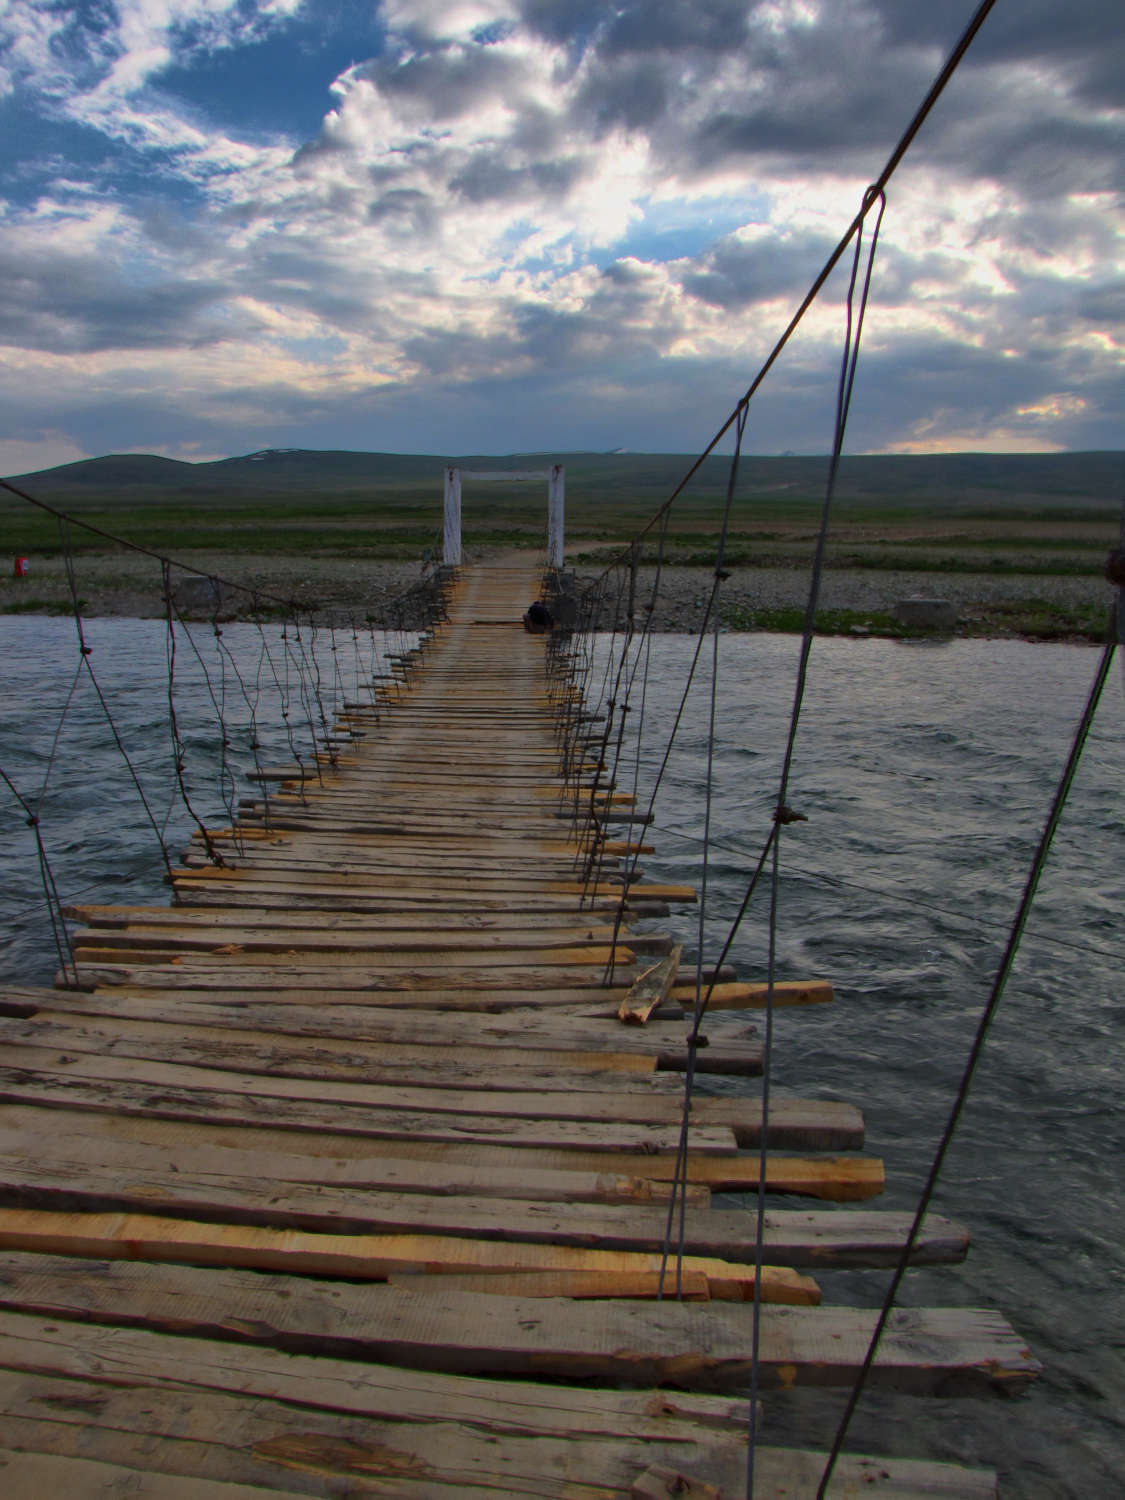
column 342, row 1176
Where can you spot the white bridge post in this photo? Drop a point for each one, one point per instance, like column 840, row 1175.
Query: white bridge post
column 451, row 552
column 556, row 508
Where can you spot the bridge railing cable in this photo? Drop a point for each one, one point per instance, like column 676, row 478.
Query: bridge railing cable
column 242, row 673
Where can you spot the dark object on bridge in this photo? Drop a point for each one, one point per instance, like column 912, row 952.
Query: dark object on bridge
column 538, row 620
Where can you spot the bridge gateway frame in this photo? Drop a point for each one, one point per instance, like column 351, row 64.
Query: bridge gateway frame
column 556, row 507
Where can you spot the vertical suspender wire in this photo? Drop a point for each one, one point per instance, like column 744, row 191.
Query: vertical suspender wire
column 177, row 743
column 252, row 725
column 227, row 786
column 50, row 889
column 1115, row 635
column 304, row 686
column 853, row 331
column 86, row 651
column 633, row 855
column 677, row 1206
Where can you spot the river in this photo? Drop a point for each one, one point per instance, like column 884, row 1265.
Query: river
column 925, row 773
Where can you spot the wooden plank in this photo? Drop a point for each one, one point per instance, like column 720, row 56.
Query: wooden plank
column 741, row 996
column 131, row 1356
column 232, row 939
column 448, row 974
column 785, row 1474
column 957, row 1351
column 522, row 1032
column 662, row 1483
column 217, row 1436
column 208, row 920
column 650, row 990
column 366, row 1257
column 168, row 1102
column 827, row 1123
column 329, row 1157
column 427, row 960
column 691, row 1286
column 26, row 1476
column 51, row 1157
column 792, row 1237
column 252, row 1051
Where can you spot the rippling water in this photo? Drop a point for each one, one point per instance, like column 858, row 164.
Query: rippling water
column 925, row 773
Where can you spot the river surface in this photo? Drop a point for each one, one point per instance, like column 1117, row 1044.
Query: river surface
column 925, row 773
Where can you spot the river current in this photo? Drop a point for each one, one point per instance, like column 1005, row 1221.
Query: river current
column 925, row 773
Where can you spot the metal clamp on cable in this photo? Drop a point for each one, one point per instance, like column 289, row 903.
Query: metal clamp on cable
column 697, row 1039
column 786, row 814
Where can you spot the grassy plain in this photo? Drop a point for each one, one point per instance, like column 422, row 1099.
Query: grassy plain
column 1038, row 517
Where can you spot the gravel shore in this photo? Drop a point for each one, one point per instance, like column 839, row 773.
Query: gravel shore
column 684, row 590
column 129, row 584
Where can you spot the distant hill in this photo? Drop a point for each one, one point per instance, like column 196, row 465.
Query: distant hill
column 978, row 480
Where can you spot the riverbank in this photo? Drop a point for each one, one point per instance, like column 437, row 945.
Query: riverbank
column 856, row 601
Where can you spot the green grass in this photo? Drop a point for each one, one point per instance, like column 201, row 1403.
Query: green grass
column 1030, row 618
column 951, row 513
column 39, row 606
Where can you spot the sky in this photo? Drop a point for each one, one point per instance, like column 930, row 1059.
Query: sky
column 500, row 226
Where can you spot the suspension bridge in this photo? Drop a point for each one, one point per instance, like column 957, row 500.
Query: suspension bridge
column 364, row 1165
column 400, row 1153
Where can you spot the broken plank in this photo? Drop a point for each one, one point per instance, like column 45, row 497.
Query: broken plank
column 650, row 990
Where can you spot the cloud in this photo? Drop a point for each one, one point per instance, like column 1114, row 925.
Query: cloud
column 594, row 216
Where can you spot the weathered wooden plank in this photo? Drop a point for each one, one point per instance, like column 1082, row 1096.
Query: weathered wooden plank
column 26, row 1476
column 520, row 1032
column 323, row 1156
column 954, row 1351
column 255, row 1051
column 235, row 940
column 662, row 1483
column 131, row 1356
column 387, row 960
column 42, row 1153
column 209, row 920
column 825, row 1123
column 169, row 1102
column 217, row 1436
column 441, row 973
column 276, row 876
column 691, row 1286
column 375, row 1257
column 792, row 1237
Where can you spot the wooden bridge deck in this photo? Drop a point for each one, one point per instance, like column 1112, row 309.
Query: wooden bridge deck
column 341, row 1176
